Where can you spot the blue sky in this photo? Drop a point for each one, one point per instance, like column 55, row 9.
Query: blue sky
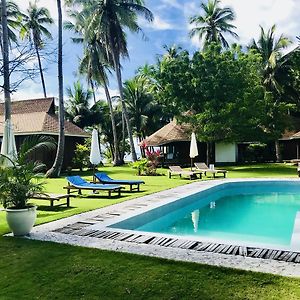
column 169, row 27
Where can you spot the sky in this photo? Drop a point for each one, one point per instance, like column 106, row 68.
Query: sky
column 170, row 26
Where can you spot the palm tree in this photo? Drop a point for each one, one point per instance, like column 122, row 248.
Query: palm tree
column 34, row 29
column 107, row 20
column 57, row 165
column 213, row 24
column 143, row 109
column 78, row 106
column 13, row 22
column 5, row 41
column 271, row 51
column 95, row 65
column 274, row 63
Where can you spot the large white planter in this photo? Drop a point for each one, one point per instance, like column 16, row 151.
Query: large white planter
column 21, row 221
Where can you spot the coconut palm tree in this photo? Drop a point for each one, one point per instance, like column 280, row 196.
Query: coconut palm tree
column 94, row 64
column 271, row 51
column 5, row 51
column 213, row 23
column 78, row 106
column 57, row 165
column 13, row 22
column 143, row 109
column 108, row 20
column 274, row 62
column 34, row 28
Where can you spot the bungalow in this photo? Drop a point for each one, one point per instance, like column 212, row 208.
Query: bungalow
column 38, row 117
column 174, row 142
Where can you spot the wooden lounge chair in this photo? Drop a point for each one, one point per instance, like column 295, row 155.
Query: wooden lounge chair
column 78, row 183
column 53, row 197
column 205, row 169
column 105, row 179
column 177, row 170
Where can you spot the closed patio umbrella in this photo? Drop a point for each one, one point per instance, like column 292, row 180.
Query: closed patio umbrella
column 95, row 155
column 8, row 146
column 193, row 148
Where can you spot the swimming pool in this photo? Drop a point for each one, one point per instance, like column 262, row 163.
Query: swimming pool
column 262, row 213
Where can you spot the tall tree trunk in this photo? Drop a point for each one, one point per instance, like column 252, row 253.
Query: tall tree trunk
column 113, row 125
column 6, row 84
column 208, row 153
column 123, row 137
column 124, row 109
column 41, row 69
column 57, row 165
column 278, row 152
column 93, row 91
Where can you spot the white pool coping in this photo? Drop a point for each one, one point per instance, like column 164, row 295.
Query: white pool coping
column 45, row 232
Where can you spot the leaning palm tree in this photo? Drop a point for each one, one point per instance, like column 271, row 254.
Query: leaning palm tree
column 57, row 165
column 108, row 20
column 213, row 23
column 34, row 28
column 94, row 65
column 14, row 17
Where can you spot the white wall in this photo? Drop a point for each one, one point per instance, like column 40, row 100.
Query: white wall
column 225, row 152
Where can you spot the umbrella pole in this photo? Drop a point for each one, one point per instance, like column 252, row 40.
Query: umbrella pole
column 191, row 164
column 94, row 181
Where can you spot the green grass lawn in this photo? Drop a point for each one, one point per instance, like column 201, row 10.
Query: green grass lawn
column 88, row 201
column 36, row 270
column 42, row 270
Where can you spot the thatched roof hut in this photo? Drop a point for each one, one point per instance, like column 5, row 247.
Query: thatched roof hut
column 170, row 133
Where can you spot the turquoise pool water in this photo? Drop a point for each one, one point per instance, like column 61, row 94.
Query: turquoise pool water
column 261, row 212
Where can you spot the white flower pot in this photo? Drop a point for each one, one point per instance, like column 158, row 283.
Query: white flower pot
column 21, row 221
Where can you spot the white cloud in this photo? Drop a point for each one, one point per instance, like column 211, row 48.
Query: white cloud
column 172, row 3
column 51, row 5
column 157, row 24
column 251, row 14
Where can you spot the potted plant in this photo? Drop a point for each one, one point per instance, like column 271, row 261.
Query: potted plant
column 19, row 182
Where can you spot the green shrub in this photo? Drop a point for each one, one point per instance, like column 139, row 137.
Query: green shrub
column 81, row 158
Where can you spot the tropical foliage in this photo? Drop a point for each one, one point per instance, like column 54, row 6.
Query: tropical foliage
column 20, row 181
column 213, row 24
column 34, row 28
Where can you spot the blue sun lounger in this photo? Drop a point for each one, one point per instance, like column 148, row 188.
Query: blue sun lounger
column 104, row 178
column 78, row 183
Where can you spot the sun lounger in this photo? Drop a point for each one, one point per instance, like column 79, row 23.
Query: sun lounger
column 78, row 183
column 53, row 197
column 205, row 169
column 177, row 170
column 105, row 179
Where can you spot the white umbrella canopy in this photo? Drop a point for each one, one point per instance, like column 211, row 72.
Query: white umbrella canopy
column 193, row 148
column 95, row 155
column 8, row 146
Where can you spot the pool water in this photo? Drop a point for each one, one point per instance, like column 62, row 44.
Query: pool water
column 261, row 212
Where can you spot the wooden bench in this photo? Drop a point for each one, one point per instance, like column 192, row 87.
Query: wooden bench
column 74, row 189
column 53, row 197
